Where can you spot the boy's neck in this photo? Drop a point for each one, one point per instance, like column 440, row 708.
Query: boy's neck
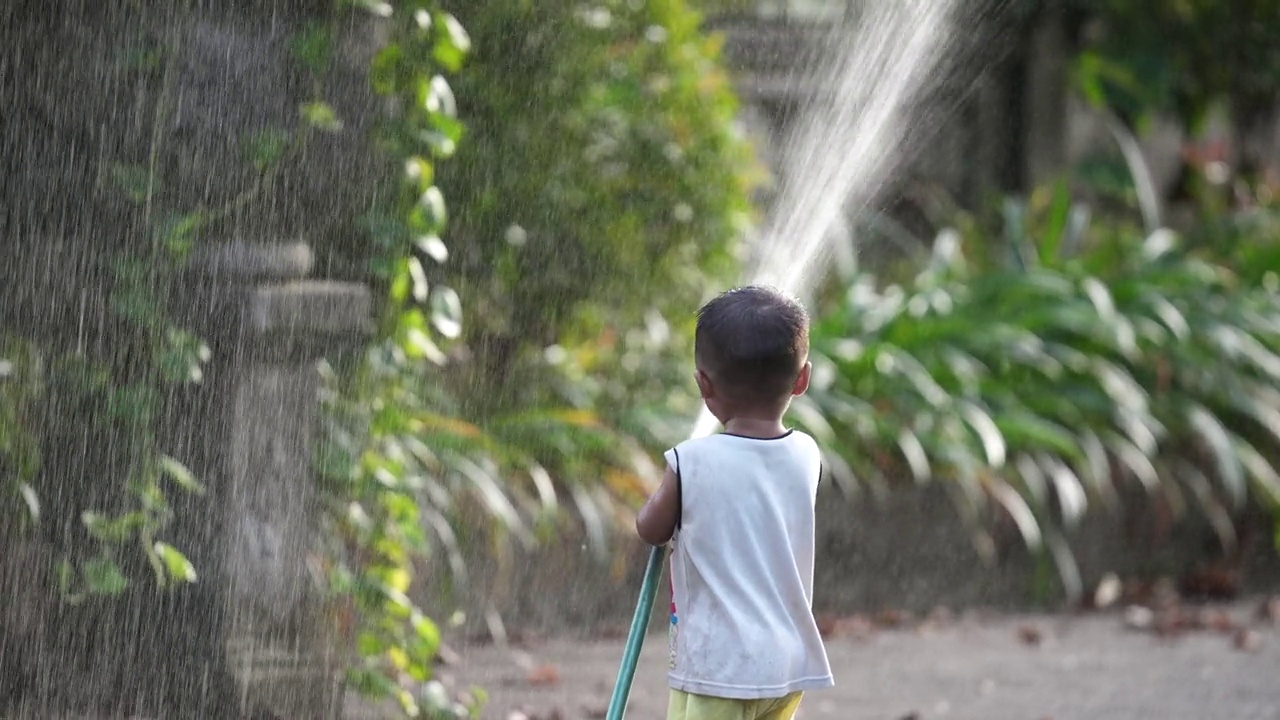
column 762, row 428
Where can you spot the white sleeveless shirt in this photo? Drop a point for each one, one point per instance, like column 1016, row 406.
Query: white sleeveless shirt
column 742, row 621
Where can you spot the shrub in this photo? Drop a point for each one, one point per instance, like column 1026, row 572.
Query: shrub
column 602, row 181
column 1043, row 383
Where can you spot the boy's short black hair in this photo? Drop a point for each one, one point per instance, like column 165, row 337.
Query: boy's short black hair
column 753, row 341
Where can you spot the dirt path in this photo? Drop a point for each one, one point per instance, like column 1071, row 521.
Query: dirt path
column 1034, row 667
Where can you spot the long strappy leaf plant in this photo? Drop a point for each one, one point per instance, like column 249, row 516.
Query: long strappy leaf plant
column 1042, row 383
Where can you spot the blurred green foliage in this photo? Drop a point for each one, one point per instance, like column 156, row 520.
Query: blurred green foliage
column 1040, row 373
column 1180, row 56
column 603, row 181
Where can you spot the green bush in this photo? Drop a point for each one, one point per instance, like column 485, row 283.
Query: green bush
column 1044, row 382
column 1182, row 56
column 602, row 180
column 600, row 186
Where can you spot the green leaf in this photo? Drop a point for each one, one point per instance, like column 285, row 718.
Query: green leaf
column 420, row 171
column 433, row 247
column 427, row 632
column 436, row 97
column 112, row 530
column 313, row 47
column 265, row 148
column 371, row 683
column 1019, row 512
column 67, row 575
column 178, row 233
column 135, row 181
column 31, row 499
column 993, row 442
column 489, row 488
column 321, row 116
column 413, row 338
column 432, row 213
column 175, row 563
column 1056, row 228
column 400, row 282
column 452, row 42
column 384, row 71
column 448, row 128
column 103, row 577
column 180, row 475
column 446, row 312
column 1220, row 445
column 419, row 277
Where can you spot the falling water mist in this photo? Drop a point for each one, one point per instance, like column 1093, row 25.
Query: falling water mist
column 852, row 137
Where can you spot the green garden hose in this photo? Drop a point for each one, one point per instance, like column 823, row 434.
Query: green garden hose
column 635, row 638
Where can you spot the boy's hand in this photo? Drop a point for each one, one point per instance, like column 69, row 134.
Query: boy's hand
column 656, row 522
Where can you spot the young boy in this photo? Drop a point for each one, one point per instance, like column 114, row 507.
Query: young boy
column 739, row 510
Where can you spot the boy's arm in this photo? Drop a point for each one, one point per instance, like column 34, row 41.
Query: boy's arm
column 656, row 522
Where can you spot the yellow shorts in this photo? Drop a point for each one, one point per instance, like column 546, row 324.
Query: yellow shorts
column 686, row 706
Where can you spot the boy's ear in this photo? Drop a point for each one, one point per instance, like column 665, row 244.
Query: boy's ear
column 704, row 384
column 802, row 380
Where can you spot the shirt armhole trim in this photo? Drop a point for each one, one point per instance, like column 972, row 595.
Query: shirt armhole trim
column 679, row 492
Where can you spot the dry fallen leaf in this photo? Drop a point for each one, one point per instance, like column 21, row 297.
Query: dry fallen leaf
column 826, row 624
column 1217, row 581
column 1030, row 635
column 1137, row 617
column 941, row 615
column 1269, row 611
column 1171, row 622
column 546, row 674
column 1247, row 641
column 830, row 626
column 891, row 618
column 1108, row 591
column 1218, row 621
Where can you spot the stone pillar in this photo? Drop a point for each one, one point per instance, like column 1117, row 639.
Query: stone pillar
column 268, row 326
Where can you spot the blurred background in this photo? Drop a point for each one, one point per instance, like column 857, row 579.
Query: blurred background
column 335, row 333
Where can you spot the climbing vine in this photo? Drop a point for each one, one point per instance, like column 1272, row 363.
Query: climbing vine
column 377, row 518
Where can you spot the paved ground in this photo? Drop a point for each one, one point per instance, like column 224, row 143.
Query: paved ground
column 1101, row 666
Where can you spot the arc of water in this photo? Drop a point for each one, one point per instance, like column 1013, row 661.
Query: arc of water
column 847, row 147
